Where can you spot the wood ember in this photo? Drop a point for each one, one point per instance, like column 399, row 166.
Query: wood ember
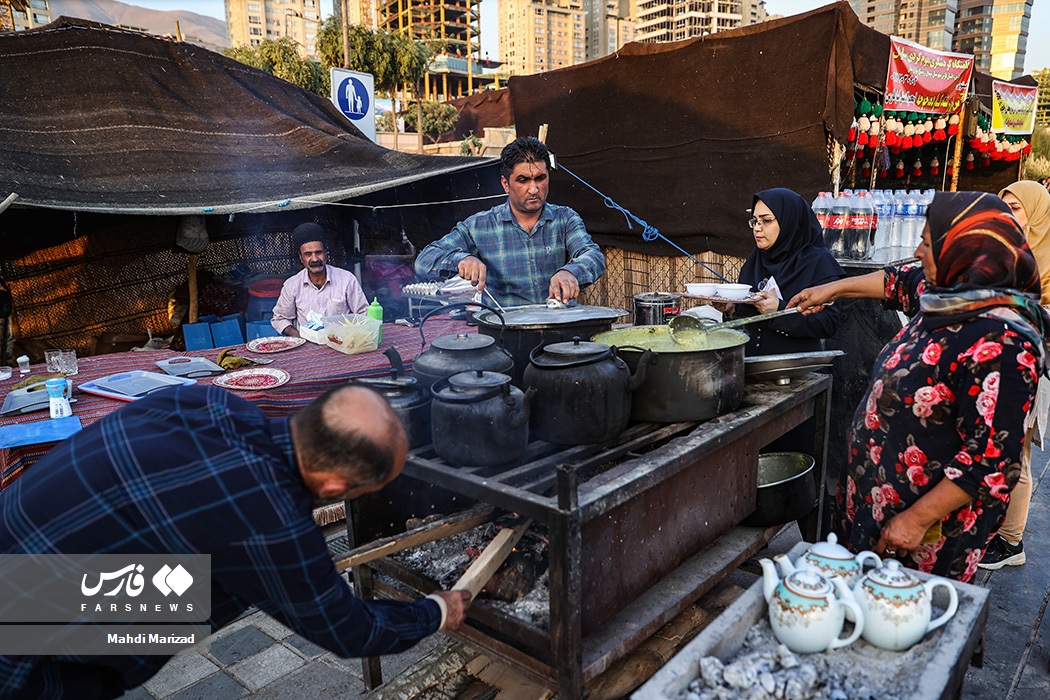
column 764, row 669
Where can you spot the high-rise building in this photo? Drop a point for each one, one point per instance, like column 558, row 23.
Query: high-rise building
column 1042, row 107
column 754, row 11
column 674, row 20
column 608, row 25
column 250, row 22
column 541, row 35
column 362, row 13
column 931, row 23
column 996, row 33
column 31, row 13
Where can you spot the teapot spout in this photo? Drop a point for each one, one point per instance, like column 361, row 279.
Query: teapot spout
column 769, row 578
column 786, row 567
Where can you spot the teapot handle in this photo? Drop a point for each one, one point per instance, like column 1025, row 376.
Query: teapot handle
column 459, row 305
column 858, row 625
column 953, row 602
column 868, row 554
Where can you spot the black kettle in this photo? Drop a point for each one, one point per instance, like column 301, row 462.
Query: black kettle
column 462, row 352
column 410, row 401
column 584, row 392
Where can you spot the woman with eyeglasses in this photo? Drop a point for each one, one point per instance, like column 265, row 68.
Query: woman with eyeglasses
column 1029, row 202
column 789, row 249
column 936, row 442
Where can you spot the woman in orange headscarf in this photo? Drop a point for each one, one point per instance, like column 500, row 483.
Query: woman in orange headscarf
column 936, row 442
column 1030, row 204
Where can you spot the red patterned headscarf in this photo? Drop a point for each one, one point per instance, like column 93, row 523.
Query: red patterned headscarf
column 978, row 244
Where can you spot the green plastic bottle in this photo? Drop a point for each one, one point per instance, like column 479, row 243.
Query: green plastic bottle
column 375, row 310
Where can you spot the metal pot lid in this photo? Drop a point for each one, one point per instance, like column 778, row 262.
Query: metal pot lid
column 477, row 379
column 463, row 342
column 571, row 353
column 831, row 549
column 540, row 316
column 658, row 296
column 891, row 575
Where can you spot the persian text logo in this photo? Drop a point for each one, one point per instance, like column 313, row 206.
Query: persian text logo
column 129, row 578
column 169, row 580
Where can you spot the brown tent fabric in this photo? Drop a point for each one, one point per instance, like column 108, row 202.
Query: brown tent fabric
column 101, row 119
column 491, row 108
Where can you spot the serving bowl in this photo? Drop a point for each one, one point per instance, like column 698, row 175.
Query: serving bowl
column 701, row 289
column 733, row 291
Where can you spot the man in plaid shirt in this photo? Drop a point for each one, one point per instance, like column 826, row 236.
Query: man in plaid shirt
column 198, row 470
column 524, row 251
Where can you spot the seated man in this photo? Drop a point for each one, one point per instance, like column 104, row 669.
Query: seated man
column 526, row 250
column 198, row 470
column 328, row 290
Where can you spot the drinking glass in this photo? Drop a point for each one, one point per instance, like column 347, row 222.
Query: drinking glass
column 69, row 362
column 53, row 358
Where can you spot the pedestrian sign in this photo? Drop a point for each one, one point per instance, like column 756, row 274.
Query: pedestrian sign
column 353, row 93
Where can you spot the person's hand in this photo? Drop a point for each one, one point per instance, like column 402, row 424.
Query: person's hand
column 470, row 268
column 812, row 300
column 725, row 307
column 564, row 287
column 291, row 332
column 456, row 604
column 767, row 302
column 901, row 534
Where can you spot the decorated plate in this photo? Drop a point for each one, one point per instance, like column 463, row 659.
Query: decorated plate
column 253, row 379
column 276, row 343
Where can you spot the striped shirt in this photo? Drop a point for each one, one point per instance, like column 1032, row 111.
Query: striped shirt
column 192, row 470
column 340, row 294
column 519, row 264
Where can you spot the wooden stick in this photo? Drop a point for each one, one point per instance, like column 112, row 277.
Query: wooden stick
column 430, row 532
column 479, row 573
column 191, row 284
column 8, row 201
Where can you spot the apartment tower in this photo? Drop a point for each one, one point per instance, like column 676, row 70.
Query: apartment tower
column 250, row 22
column 608, row 25
column 37, row 13
column 674, row 20
column 541, row 35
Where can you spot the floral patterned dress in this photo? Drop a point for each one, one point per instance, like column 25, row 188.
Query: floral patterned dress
column 947, row 403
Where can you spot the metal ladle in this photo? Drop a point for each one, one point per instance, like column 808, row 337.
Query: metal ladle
column 686, row 329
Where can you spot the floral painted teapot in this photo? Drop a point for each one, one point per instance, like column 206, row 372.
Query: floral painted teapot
column 831, row 558
column 804, row 611
column 896, row 606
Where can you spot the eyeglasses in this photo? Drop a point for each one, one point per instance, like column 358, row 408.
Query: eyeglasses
column 755, row 223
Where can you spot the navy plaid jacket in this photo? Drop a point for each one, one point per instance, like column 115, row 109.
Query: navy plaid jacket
column 192, row 470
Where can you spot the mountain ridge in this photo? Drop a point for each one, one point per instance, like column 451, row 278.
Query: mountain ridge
column 196, row 28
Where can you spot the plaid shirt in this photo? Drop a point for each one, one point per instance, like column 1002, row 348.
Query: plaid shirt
column 192, row 470
column 520, row 265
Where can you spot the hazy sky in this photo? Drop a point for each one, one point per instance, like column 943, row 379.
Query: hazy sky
column 1036, row 57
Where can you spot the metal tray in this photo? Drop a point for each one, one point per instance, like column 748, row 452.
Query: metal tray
column 785, row 367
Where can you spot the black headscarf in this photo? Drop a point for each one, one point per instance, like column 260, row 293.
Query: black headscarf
column 798, row 259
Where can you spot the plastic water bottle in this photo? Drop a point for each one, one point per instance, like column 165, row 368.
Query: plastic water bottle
column 375, row 310
column 911, row 226
column 897, row 226
column 862, row 226
column 883, row 202
column 838, row 220
column 56, row 394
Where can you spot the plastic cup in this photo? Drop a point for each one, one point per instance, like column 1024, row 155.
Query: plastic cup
column 5, row 372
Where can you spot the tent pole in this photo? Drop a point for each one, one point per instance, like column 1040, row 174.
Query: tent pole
column 191, row 277
column 957, row 158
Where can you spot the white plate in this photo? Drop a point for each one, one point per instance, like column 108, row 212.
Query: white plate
column 274, row 343
column 253, row 379
column 161, row 380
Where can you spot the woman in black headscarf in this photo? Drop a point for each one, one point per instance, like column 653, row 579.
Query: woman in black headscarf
column 789, row 249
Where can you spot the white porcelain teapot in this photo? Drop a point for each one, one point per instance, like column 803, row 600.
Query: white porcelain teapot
column 831, row 558
column 897, row 608
column 804, row 611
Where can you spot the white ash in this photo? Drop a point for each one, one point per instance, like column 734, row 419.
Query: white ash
column 533, row 607
column 764, row 669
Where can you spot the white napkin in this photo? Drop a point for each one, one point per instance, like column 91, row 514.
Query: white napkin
column 771, row 286
column 314, row 321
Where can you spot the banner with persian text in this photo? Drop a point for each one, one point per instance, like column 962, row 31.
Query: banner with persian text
column 923, row 80
column 1013, row 108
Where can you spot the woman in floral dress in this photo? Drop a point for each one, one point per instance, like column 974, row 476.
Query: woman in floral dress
column 936, row 441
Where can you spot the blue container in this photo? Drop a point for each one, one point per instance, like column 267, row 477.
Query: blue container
column 225, row 333
column 262, row 295
column 258, row 329
column 198, row 336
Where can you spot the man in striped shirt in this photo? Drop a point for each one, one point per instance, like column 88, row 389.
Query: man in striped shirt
column 198, row 470
column 524, row 251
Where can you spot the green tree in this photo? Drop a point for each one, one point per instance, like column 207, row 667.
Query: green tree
column 280, row 58
column 438, row 118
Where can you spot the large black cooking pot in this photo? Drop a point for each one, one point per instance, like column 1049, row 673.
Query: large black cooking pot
column 462, row 352
column 786, row 489
column 410, row 401
column 696, row 379
column 536, row 325
column 583, row 392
